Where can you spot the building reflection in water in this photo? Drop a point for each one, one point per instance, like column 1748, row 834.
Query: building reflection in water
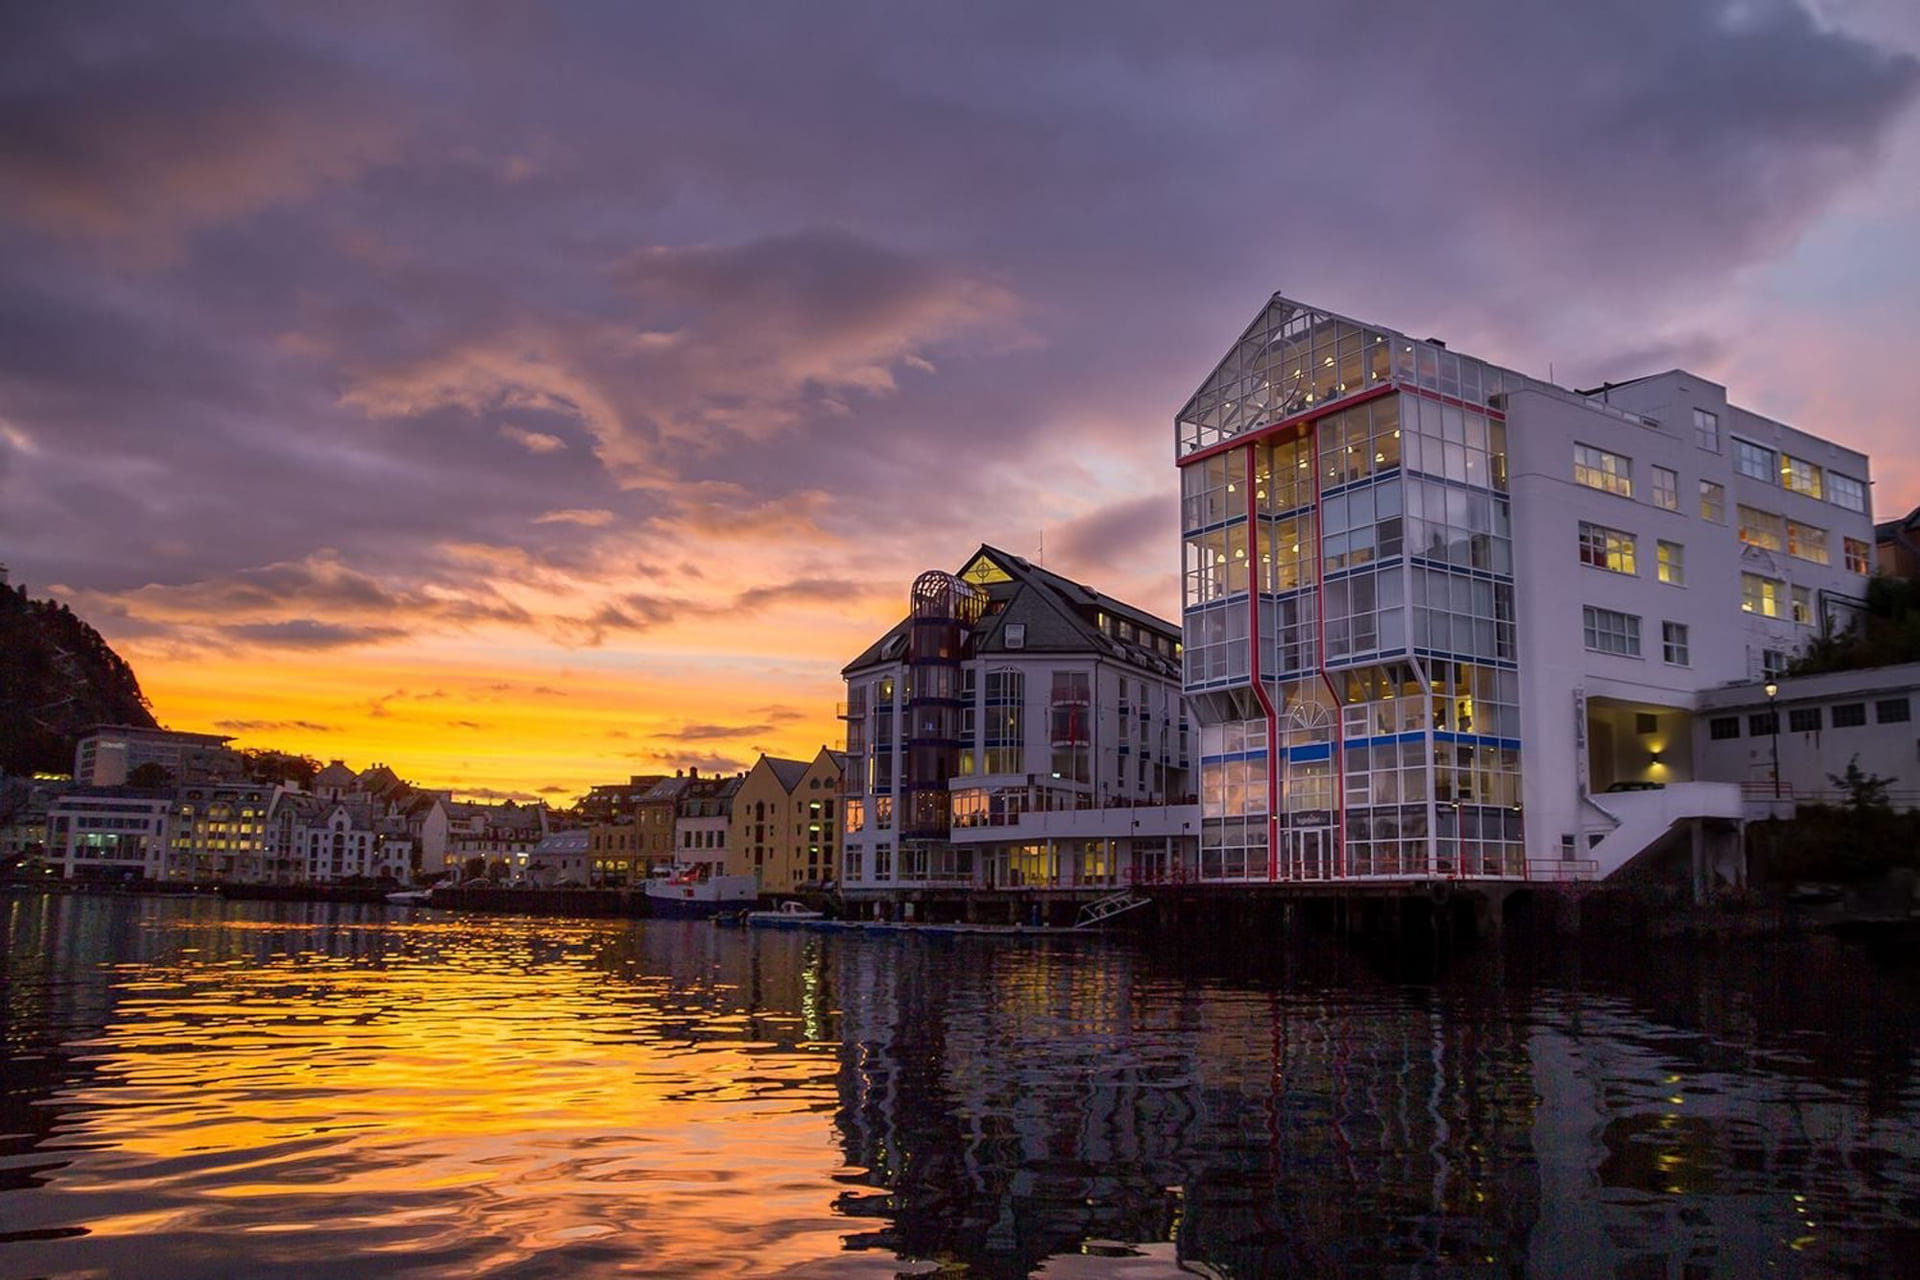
column 311, row 1087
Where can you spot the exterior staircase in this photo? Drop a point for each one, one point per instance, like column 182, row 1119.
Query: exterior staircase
column 1642, row 818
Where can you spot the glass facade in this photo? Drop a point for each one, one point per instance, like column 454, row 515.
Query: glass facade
column 1348, row 607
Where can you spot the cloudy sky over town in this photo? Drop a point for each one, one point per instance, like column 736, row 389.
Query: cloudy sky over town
column 530, row 395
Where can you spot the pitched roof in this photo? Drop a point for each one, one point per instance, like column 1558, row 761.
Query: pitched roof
column 786, row 772
column 1056, row 614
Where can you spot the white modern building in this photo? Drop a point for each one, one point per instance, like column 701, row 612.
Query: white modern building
column 1446, row 620
column 1016, row 731
column 109, row 833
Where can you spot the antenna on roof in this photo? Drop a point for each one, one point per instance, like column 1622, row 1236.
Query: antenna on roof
column 1040, row 552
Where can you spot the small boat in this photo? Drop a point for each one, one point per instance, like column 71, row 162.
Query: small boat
column 696, row 890
column 411, row 897
column 787, row 913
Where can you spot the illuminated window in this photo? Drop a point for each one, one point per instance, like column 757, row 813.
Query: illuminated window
column 1598, row 469
column 1857, row 555
column 1801, row 476
column 1807, row 543
column 1760, row 595
column 1673, row 564
column 1762, row 529
column 1713, row 502
column 1605, row 548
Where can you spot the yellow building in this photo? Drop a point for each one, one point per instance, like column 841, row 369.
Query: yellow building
column 785, row 820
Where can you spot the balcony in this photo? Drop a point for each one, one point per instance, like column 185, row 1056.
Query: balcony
column 1113, row 822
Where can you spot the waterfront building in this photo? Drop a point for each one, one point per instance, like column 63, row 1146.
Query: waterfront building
column 321, row 838
column 1435, row 610
column 106, row 756
column 1016, row 731
column 654, row 816
column 1795, row 736
column 24, row 804
column 222, row 832
column 561, row 860
column 500, row 837
column 701, row 819
column 613, row 855
column 614, row 802
column 784, row 822
column 109, row 833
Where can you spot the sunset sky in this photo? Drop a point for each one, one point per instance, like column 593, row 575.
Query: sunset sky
column 530, row 396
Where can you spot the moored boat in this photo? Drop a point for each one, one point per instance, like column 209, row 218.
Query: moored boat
column 410, row 897
column 789, row 912
column 696, row 890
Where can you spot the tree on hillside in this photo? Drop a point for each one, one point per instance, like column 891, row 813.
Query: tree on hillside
column 153, row 777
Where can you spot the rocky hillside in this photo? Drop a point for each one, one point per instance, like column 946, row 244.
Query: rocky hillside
column 57, row 678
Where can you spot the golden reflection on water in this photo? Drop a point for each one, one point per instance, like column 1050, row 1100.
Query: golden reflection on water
column 469, row 1094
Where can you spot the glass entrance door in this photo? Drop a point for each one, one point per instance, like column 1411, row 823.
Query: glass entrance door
column 1309, row 853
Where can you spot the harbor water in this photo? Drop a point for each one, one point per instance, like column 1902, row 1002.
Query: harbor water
column 203, row 1088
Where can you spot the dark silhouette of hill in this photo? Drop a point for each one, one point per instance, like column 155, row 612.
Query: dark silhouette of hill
column 58, row 678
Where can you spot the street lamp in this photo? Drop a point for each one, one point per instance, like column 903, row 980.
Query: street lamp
column 1773, row 711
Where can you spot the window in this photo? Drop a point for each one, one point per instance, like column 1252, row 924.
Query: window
column 1802, row 606
column 1673, row 643
column 1760, row 595
column 1763, row 724
column 1773, row 663
column 1844, row 491
column 1666, row 488
column 1804, row 720
column 1754, row 462
column 1673, row 564
column 1606, row 631
column 1720, row 728
column 1015, row 635
column 1849, row 715
column 1762, row 529
column 1892, row 711
column 1857, row 556
column 1598, row 469
column 1807, row 542
column 1605, row 548
column 1800, row 476
column 1706, row 429
column 1713, row 502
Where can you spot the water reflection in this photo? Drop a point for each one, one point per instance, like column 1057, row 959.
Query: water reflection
column 351, row 1090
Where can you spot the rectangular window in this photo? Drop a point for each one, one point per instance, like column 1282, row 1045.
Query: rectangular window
column 1666, row 488
column 1753, row 461
column 1761, row 595
column 1845, row 491
column 1857, row 554
column 1763, row 724
column 1605, row 548
column 1773, row 663
column 1762, row 529
column 1801, row 476
column 1673, row 564
column 1713, row 502
column 1706, row 429
column 1804, row 720
column 1892, row 711
column 1720, row 728
column 1606, row 631
column 1807, row 543
column 1803, row 606
column 1673, row 643
column 1598, row 469
column 1849, row 715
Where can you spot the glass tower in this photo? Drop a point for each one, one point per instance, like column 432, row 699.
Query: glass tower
column 1348, row 606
